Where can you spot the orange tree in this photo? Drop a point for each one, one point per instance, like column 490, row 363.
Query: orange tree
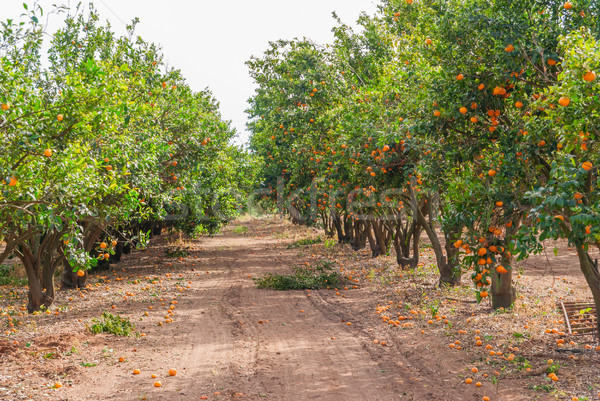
column 101, row 140
column 567, row 203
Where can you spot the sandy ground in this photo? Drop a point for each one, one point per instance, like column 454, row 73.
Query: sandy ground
column 231, row 340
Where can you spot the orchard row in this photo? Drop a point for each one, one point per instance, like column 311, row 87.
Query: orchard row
column 100, row 142
column 475, row 122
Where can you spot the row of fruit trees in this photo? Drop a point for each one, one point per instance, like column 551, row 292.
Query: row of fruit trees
column 474, row 122
column 101, row 143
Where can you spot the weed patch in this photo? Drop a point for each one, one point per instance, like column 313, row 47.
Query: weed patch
column 305, row 242
column 319, row 276
column 112, row 324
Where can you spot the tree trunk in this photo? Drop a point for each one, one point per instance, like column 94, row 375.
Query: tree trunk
column 502, row 290
column 590, row 272
column 448, row 267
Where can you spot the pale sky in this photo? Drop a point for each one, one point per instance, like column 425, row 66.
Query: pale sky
column 210, row 40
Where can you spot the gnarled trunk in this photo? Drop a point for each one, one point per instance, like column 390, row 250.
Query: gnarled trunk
column 447, row 265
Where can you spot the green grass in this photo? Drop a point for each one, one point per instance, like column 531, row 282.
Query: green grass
column 316, row 277
column 112, row 324
column 241, row 230
column 305, row 242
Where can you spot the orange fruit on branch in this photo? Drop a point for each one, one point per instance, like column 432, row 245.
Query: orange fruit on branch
column 59, row 117
column 586, row 166
column 589, row 76
column 463, row 110
column 564, row 101
column 501, row 269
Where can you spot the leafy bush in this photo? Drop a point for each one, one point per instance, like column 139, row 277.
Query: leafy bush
column 303, row 278
column 112, row 324
column 240, row 230
column 305, row 242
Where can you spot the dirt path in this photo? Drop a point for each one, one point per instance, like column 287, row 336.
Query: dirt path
column 232, row 340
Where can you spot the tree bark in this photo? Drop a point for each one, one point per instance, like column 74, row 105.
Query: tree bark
column 589, row 269
column 502, row 290
column 448, row 267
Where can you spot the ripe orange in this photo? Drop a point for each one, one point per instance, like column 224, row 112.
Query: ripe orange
column 172, row 372
column 518, row 104
column 80, row 273
column 437, row 113
column 136, row 371
column 551, row 61
column 481, row 87
column 474, row 370
column 428, row 41
column 509, row 48
column 481, row 251
column 5, row 106
column 499, row 203
column 483, row 294
column 499, row 91
column 58, row 385
column 468, row 380
column 474, row 119
column 501, row 269
column 48, row 152
column 463, row 110
column 12, row 182
column 564, row 101
column 103, row 245
column 157, row 384
column 460, row 77
column 589, row 76
column 59, row 117
column 585, row 165
column 492, row 173
column 385, row 148
column 568, row 5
